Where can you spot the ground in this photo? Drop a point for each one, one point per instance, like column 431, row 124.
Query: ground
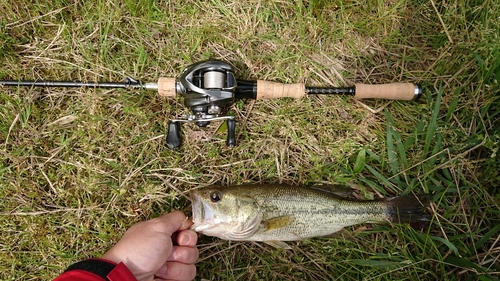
column 79, row 166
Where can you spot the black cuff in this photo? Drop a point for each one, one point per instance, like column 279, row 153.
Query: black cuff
column 98, row 267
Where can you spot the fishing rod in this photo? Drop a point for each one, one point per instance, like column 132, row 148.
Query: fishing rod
column 209, row 88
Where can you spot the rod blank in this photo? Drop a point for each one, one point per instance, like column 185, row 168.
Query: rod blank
column 128, row 83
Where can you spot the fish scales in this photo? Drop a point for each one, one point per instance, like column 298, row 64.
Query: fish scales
column 315, row 213
column 288, row 213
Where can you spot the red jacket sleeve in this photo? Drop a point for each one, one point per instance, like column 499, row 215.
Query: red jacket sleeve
column 97, row 270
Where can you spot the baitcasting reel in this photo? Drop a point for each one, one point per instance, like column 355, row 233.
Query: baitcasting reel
column 208, row 89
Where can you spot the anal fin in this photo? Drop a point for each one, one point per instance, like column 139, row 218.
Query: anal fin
column 278, row 244
column 342, row 234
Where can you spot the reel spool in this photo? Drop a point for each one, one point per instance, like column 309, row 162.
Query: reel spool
column 208, row 89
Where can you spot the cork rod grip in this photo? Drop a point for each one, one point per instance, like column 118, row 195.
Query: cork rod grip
column 393, row 91
column 166, row 87
column 271, row 90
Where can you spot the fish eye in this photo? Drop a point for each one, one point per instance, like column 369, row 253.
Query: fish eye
column 215, row 196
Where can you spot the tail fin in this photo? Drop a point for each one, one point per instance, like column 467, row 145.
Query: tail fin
column 409, row 209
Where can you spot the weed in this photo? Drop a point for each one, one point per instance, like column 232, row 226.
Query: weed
column 80, row 166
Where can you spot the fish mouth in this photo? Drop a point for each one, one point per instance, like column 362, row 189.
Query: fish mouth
column 197, row 209
column 200, row 211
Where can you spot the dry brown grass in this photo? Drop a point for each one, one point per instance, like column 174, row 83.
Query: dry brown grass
column 80, row 166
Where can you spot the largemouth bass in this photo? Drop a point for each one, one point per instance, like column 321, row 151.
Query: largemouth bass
column 276, row 213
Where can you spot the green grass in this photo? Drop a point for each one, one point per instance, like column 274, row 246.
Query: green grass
column 80, row 166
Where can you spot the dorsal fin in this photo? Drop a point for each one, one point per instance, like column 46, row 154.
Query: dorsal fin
column 336, row 189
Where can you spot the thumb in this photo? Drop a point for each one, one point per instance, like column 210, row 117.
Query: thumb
column 172, row 222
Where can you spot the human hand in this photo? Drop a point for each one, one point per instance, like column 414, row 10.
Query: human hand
column 149, row 253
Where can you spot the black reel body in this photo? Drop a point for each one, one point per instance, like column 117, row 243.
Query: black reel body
column 208, row 89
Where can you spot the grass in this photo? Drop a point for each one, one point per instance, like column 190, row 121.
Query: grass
column 80, row 166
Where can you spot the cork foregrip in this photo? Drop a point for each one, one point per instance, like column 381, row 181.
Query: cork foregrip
column 166, row 87
column 393, row 91
column 271, row 90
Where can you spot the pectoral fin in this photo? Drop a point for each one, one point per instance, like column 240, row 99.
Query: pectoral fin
column 278, row 244
column 277, row 222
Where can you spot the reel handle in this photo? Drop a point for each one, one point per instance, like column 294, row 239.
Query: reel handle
column 231, row 136
column 173, row 136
